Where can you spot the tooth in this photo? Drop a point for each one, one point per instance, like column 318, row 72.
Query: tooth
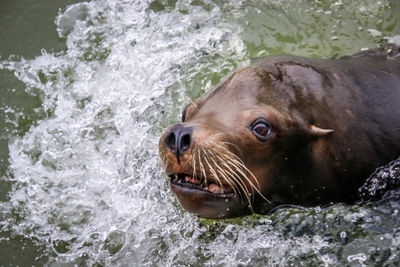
column 214, row 188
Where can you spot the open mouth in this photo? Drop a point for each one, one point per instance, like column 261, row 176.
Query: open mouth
column 202, row 184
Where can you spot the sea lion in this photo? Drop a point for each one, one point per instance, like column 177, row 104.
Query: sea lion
column 286, row 130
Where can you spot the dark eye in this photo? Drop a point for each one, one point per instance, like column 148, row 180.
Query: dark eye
column 261, row 129
column 183, row 118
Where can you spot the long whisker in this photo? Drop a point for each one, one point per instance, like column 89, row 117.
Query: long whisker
column 229, row 152
column 238, row 168
column 232, row 144
column 235, row 183
column 211, row 137
column 194, row 164
column 237, row 186
column 238, row 180
column 211, row 168
column 223, row 173
column 242, row 165
column 164, row 160
column 202, row 169
column 250, row 182
column 240, row 162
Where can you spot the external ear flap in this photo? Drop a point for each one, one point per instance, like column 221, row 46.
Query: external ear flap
column 317, row 131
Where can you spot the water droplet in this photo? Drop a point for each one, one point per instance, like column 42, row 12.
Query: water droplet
column 114, row 241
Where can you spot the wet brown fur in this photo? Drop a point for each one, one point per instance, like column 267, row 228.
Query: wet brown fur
column 358, row 97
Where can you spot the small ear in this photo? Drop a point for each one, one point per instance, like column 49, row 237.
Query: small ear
column 317, row 131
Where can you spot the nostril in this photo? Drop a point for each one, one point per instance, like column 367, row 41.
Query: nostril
column 185, row 142
column 178, row 139
column 170, row 141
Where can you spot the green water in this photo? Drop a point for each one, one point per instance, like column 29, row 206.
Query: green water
column 26, row 27
column 84, row 101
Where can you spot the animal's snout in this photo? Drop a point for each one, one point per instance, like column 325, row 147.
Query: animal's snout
column 178, row 139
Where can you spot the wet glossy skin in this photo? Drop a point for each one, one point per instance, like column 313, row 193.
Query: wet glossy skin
column 354, row 103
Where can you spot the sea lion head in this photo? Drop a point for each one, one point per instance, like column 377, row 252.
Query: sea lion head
column 240, row 148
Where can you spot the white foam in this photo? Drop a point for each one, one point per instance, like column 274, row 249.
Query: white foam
column 91, row 167
column 86, row 179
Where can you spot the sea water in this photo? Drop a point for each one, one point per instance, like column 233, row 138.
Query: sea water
column 82, row 181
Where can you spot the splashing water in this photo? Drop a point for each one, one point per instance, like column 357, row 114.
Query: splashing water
column 86, row 182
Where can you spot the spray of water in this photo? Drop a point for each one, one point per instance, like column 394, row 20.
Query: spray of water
column 86, row 181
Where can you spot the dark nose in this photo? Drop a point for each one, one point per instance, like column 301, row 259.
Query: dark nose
column 178, row 139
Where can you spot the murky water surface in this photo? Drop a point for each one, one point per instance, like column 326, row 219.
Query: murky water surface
column 80, row 180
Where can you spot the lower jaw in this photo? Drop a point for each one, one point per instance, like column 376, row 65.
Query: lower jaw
column 208, row 205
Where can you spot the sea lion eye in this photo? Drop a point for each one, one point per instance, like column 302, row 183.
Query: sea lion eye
column 261, row 129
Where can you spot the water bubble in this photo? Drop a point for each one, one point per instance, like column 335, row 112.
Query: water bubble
column 115, row 241
column 343, row 237
column 374, row 32
column 360, row 257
